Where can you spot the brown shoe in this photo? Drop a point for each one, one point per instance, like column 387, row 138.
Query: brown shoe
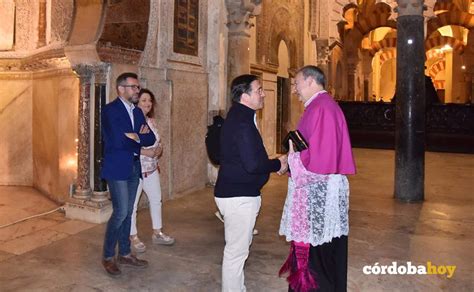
column 111, row 267
column 131, row 260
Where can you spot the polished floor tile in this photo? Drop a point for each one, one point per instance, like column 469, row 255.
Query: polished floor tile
column 67, row 254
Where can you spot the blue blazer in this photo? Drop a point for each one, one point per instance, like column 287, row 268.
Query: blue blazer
column 118, row 149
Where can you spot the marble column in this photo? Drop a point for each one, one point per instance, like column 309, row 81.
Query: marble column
column 100, row 193
column 410, row 103
column 238, row 57
column 83, row 186
column 85, row 204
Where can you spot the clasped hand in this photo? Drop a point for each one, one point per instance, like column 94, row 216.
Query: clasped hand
column 284, row 159
column 134, row 136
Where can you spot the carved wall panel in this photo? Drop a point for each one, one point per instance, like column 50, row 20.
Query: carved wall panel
column 280, row 20
column 126, row 24
column 61, row 20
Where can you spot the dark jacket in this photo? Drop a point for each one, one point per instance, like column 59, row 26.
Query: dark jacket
column 118, row 149
column 245, row 166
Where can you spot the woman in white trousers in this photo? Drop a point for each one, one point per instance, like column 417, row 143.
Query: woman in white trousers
column 150, row 182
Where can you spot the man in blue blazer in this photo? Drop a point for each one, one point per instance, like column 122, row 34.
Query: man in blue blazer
column 125, row 131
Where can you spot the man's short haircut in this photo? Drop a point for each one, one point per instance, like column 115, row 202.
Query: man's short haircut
column 315, row 73
column 123, row 78
column 240, row 85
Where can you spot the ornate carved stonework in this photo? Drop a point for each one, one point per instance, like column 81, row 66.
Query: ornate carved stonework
column 100, row 72
column 62, row 13
column 83, row 189
column 126, row 24
column 323, row 52
column 52, row 59
column 240, row 11
column 280, row 20
column 24, row 30
column 110, row 54
column 410, row 7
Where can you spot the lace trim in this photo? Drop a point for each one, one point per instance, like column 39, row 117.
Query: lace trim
column 316, row 207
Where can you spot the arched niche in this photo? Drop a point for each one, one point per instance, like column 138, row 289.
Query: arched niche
column 106, row 31
column 281, row 30
column 283, row 60
column 388, row 79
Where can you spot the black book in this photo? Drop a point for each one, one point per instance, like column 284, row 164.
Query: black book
column 299, row 143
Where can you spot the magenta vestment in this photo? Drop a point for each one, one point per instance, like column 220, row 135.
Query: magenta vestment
column 325, row 129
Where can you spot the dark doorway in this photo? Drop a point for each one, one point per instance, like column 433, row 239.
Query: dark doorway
column 283, row 102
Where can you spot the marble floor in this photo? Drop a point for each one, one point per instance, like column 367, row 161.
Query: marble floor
column 52, row 253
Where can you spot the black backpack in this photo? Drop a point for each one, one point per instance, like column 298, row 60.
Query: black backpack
column 213, row 138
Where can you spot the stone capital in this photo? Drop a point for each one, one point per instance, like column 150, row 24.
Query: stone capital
column 100, row 72
column 323, row 51
column 239, row 13
column 410, row 7
column 83, row 71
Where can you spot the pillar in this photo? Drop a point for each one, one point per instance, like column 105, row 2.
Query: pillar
column 83, row 186
column 238, row 56
column 410, row 103
column 100, row 193
column 85, row 204
column 351, row 78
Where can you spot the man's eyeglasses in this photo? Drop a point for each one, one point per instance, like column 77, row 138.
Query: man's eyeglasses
column 258, row 91
column 136, row 87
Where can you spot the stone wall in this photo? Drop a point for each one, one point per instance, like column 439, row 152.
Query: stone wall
column 55, row 109
column 16, row 116
column 189, row 120
column 180, row 83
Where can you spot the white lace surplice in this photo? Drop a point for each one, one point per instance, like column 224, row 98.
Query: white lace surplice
column 316, row 207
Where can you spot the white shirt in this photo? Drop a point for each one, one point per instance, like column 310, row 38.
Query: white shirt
column 129, row 107
column 313, row 97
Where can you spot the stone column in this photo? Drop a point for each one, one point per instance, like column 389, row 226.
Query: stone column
column 410, row 103
column 367, row 82
column 351, row 78
column 83, row 187
column 238, row 57
column 322, row 50
column 100, row 193
column 87, row 205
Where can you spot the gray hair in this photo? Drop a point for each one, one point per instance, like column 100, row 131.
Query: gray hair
column 314, row 72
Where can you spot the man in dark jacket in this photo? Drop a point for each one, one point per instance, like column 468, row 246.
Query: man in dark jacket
column 244, row 169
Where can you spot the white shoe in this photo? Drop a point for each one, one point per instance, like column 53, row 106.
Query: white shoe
column 219, row 216
column 137, row 244
column 162, row 239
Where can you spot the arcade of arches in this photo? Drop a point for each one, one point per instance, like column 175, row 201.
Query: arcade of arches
column 59, row 60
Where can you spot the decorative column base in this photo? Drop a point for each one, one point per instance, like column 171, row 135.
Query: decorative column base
column 100, row 197
column 82, row 194
column 89, row 211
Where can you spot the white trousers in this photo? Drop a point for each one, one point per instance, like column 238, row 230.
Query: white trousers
column 151, row 186
column 239, row 214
